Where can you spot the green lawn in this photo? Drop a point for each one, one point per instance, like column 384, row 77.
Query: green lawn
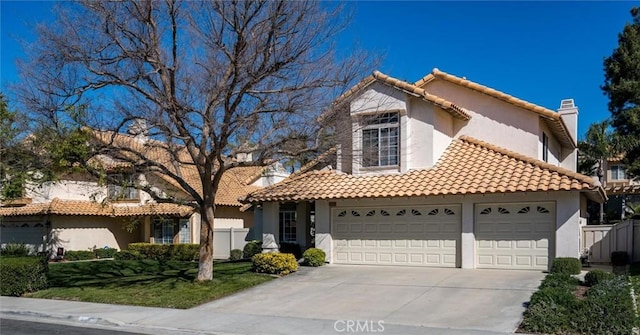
column 146, row 283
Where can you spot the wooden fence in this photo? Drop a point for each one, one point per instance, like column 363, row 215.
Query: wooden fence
column 601, row 240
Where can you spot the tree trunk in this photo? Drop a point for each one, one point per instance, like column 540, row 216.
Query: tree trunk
column 205, row 268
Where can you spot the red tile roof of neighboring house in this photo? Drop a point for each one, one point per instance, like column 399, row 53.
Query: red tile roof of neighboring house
column 468, row 166
column 91, row 208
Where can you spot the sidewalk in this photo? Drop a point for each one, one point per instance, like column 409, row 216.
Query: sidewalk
column 149, row 320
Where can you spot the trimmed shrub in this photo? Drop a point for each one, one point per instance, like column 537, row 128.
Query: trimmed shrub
column 608, row 309
column 567, row 265
column 595, row 277
column 79, row 255
column 619, row 258
column 314, row 257
column 236, row 255
column 127, row 255
column 291, row 248
column 15, row 249
column 184, row 252
column 165, row 252
column 20, row 275
column 275, row 263
column 105, row 252
column 252, row 248
column 560, row 280
column 546, row 317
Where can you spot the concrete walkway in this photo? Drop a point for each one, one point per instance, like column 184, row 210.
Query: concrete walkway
column 328, row 300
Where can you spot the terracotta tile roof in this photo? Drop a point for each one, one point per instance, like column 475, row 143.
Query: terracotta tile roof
column 451, row 108
column 74, row 207
column 550, row 117
column 622, row 189
column 235, row 183
column 468, row 166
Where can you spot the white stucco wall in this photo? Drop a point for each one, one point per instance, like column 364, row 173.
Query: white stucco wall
column 555, row 149
column 378, row 97
column 86, row 232
column 492, row 120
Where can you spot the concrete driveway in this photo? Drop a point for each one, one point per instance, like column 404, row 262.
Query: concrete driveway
column 481, row 300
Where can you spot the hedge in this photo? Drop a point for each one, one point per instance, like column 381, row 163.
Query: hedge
column 79, row 255
column 236, row 255
column 164, row 252
column 597, row 276
column 127, row 255
column 314, row 257
column 252, row 248
column 568, row 265
column 275, row 263
column 15, row 249
column 20, row 275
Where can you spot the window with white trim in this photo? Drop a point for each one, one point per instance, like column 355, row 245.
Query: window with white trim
column 618, row 172
column 287, row 226
column 124, row 190
column 545, row 147
column 380, row 140
column 163, row 231
column 185, row 231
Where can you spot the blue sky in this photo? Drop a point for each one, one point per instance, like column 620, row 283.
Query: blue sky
column 541, row 52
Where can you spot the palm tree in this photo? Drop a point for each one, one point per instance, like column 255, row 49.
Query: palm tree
column 600, row 143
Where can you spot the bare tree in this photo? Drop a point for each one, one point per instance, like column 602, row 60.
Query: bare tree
column 203, row 81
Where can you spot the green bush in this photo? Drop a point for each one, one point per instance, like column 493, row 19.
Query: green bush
column 236, row 255
column 184, row 252
column 560, row 280
column 619, row 258
column 314, row 257
column 79, row 255
column 567, row 265
column 165, row 252
column 275, row 263
column 595, row 277
column 127, row 255
column 291, row 248
column 15, row 250
column 608, row 309
column 20, row 275
column 546, row 317
column 105, row 252
column 251, row 248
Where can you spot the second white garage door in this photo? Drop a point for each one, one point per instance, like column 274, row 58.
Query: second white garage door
column 413, row 236
column 514, row 235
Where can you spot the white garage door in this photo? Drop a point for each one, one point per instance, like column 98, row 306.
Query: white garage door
column 414, row 236
column 514, row 236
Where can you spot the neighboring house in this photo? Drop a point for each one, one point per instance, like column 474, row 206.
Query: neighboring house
column 623, row 191
column 443, row 172
column 78, row 213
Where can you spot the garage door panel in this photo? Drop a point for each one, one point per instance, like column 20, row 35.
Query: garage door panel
column 514, row 236
column 404, row 236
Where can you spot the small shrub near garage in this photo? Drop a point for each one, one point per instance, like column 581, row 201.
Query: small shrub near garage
column 567, row 265
column 314, row 257
column 105, row 252
column 20, row 275
column 608, row 309
column 619, row 258
column 597, row 276
column 127, row 255
column 236, row 255
column 79, row 255
column 252, row 248
column 15, row 250
column 275, row 263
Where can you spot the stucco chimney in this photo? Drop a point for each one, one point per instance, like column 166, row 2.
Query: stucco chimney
column 569, row 114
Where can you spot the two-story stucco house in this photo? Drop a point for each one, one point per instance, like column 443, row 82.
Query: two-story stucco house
column 623, row 191
column 79, row 213
column 442, row 172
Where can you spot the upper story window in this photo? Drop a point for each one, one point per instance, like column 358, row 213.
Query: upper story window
column 618, row 173
column 380, row 142
column 545, row 147
column 124, row 190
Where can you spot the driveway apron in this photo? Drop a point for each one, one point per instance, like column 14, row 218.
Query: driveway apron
column 491, row 300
